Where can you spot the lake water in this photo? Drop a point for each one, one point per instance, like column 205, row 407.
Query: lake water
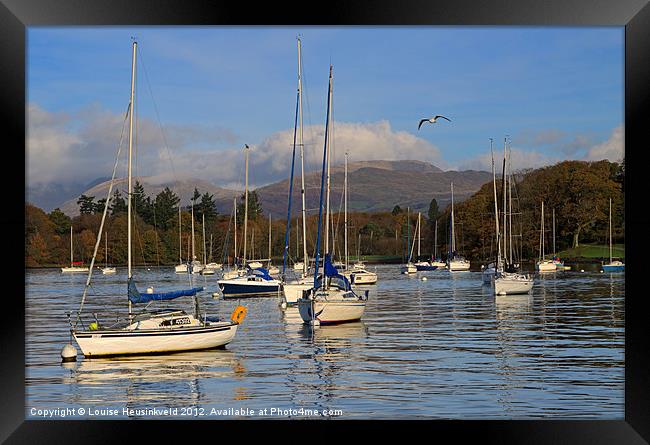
column 441, row 348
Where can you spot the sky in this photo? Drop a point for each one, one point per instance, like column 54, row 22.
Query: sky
column 204, row 92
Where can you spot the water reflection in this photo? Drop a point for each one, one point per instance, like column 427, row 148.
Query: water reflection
column 445, row 347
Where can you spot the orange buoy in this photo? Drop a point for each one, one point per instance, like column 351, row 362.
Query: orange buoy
column 238, row 314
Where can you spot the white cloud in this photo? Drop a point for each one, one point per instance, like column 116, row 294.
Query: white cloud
column 60, row 152
column 613, row 149
column 519, row 159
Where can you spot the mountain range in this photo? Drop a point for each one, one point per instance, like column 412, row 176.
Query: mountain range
column 372, row 186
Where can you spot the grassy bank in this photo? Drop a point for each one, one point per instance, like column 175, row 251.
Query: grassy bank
column 593, row 251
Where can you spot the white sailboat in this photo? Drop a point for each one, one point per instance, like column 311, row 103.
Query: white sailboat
column 74, row 267
column 613, row 265
column 107, row 270
column 358, row 275
column 559, row 264
column 422, row 265
column 161, row 331
column 205, row 270
column 455, row 261
column 409, row 267
column 331, row 300
column 503, row 275
column 273, row 270
column 181, row 267
column 256, row 282
column 195, row 265
column 436, row 261
column 212, row 265
column 543, row 265
column 293, row 287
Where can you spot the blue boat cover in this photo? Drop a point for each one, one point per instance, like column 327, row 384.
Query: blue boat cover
column 335, row 276
column 136, row 297
column 261, row 272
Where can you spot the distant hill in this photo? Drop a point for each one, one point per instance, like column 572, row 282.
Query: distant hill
column 373, row 186
column 379, row 186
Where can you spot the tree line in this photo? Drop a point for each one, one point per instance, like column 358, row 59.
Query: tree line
column 578, row 191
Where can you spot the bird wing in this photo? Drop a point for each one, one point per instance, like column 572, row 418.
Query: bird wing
column 442, row 117
column 421, row 122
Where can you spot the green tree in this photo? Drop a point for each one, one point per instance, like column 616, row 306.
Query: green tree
column 99, row 206
column 142, row 204
column 208, row 208
column 86, row 204
column 166, row 209
column 396, row 210
column 118, row 204
column 254, row 207
column 61, row 221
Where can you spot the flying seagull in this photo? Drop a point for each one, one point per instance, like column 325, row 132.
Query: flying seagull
column 432, row 120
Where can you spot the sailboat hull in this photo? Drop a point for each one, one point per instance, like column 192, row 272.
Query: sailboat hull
column 613, row 268
column 242, row 288
column 458, row 266
column 74, row 269
column 103, row 343
column 546, row 266
column 423, row 267
column 293, row 291
column 331, row 312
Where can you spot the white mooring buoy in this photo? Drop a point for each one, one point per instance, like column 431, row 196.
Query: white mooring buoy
column 315, row 322
column 582, row 270
column 215, row 294
column 424, row 278
column 69, row 353
column 283, row 304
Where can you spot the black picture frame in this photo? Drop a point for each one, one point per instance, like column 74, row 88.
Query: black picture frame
column 634, row 15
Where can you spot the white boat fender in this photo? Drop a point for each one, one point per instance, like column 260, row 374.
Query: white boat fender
column 315, row 322
column 69, row 353
column 150, row 290
column 215, row 294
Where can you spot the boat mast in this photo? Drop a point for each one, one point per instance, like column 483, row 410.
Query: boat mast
column 345, row 224
column 269, row 239
column 509, row 209
column 435, row 241
column 610, row 230
column 193, row 253
column 408, row 236
column 322, row 182
column 71, row 258
column 205, row 259
column 418, row 235
column 329, row 155
column 234, row 205
column 453, row 235
column 130, row 187
column 106, row 239
column 180, row 241
column 246, row 149
column 496, row 208
column 305, row 263
column 505, row 193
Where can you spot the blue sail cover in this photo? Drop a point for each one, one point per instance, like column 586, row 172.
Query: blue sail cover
column 261, row 272
column 136, row 297
column 335, row 276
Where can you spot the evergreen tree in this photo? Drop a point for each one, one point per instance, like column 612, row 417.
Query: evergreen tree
column 166, row 209
column 142, row 204
column 86, row 204
column 254, row 207
column 396, row 210
column 208, row 208
column 61, row 221
column 99, row 206
column 119, row 204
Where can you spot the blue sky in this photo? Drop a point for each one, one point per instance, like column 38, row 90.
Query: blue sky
column 558, row 93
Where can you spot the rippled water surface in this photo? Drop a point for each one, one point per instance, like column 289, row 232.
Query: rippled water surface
column 441, row 348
